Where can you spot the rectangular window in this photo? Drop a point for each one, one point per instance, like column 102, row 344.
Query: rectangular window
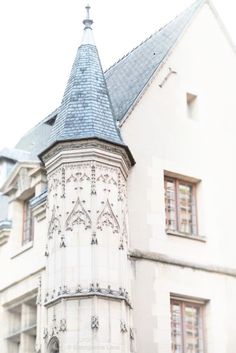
column 186, row 327
column 180, row 202
column 28, row 223
column 21, row 326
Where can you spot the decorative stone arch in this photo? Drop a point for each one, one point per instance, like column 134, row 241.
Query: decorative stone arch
column 53, row 345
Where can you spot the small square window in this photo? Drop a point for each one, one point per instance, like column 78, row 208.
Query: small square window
column 180, row 206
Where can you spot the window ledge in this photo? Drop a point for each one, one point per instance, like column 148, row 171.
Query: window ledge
column 24, row 248
column 187, row 236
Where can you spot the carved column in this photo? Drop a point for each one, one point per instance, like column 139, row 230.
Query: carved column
column 87, row 275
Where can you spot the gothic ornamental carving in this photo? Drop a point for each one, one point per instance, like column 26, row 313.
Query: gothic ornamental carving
column 63, row 325
column 122, row 192
column 56, row 328
column 45, row 333
column 94, row 322
column 106, row 179
column 46, row 253
column 53, row 183
column 63, row 181
column 39, row 294
column 53, row 346
column 62, row 242
column 54, row 224
column 93, row 179
column 107, row 218
column 72, row 178
column 78, row 215
column 124, row 235
column 94, row 240
column 123, row 327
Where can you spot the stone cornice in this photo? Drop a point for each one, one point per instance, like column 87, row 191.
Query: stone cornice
column 87, row 150
column 108, row 293
column 10, row 185
column 165, row 259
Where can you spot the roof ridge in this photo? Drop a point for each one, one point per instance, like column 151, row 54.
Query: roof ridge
column 154, row 33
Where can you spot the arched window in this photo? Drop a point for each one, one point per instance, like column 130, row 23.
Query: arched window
column 53, row 346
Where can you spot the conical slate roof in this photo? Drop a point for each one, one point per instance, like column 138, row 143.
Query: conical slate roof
column 86, row 110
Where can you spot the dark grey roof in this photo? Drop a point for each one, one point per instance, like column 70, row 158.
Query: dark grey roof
column 14, row 154
column 85, row 111
column 125, row 81
column 127, row 78
column 35, row 140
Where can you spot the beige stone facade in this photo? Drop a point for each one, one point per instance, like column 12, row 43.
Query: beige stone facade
column 99, row 270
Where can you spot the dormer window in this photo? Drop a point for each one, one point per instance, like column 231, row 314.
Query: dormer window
column 28, row 223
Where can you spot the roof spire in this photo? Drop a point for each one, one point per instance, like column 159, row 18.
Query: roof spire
column 88, row 22
column 88, row 36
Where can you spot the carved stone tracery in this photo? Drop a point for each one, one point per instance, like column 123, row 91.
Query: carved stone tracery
column 107, row 218
column 94, row 322
column 78, row 215
column 54, row 224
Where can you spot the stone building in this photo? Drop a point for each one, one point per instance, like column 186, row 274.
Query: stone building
column 116, row 224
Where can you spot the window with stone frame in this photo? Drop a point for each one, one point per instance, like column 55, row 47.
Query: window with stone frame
column 180, row 206
column 28, row 222
column 187, row 334
column 21, row 326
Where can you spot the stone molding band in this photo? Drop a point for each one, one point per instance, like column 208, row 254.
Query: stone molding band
column 161, row 258
column 85, row 293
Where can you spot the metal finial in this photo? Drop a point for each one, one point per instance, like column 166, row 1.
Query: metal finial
column 88, row 22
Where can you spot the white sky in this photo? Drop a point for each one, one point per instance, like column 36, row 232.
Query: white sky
column 39, row 39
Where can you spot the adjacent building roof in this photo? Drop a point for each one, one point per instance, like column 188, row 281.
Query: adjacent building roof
column 14, row 154
column 86, row 110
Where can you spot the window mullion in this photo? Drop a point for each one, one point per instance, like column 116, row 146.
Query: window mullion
column 183, row 327
column 177, row 204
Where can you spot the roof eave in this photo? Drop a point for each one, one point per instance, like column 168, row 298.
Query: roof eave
column 125, row 147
